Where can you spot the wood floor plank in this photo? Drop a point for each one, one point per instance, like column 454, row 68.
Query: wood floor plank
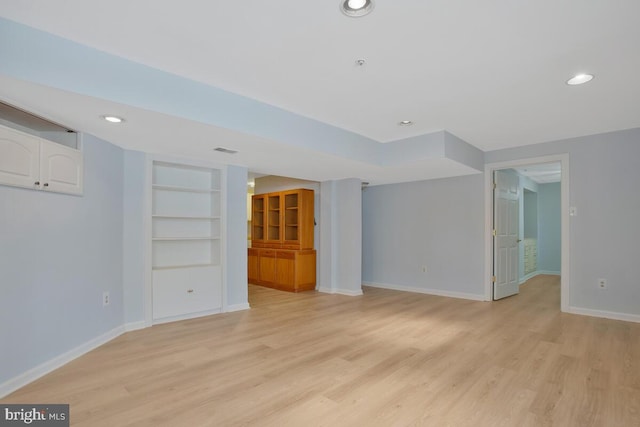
column 387, row 358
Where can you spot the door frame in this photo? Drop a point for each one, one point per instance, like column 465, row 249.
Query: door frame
column 489, row 168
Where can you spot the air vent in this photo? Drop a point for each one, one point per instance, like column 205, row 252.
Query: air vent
column 225, row 150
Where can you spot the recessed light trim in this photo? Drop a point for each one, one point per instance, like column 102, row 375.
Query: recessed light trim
column 405, row 123
column 356, row 8
column 580, row 79
column 112, row 119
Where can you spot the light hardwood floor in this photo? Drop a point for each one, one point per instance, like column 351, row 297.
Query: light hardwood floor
column 387, row 358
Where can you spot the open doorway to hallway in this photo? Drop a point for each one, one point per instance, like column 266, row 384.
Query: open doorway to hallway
column 281, row 232
column 527, row 206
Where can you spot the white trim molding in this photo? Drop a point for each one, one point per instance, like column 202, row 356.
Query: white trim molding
column 626, row 317
column 437, row 292
column 135, row 326
column 347, row 292
column 237, row 307
column 43, row 369
column 549, row 273
column 187, row 316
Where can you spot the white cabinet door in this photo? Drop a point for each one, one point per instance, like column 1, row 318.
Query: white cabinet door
column 60, row 168
column 186, row 292
column 19, row 158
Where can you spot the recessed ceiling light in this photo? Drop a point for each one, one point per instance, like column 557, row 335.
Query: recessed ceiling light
column 580, row 79
column 405, row 123
column 356, row 8
column 113, row 119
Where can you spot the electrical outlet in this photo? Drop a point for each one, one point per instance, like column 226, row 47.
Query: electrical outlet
column 424, row 268
column 105, row 299
column 602, row 283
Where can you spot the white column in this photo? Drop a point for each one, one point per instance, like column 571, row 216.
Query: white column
column 340, row 249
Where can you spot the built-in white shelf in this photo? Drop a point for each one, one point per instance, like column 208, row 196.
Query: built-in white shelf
column 185, row 189
column 169, row 239
column 186, row 217
column 186, row 225
column 172, row 267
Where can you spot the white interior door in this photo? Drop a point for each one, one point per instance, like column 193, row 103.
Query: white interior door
column 505, row 241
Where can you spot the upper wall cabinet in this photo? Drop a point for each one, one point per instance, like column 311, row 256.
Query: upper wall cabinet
column 283, row 220
column 32, row 162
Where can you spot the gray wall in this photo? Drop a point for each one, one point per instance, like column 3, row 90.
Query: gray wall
column 58, row 253
column 604, row 176
column 340, row 255
column 134, row 245
column 549, row 237
column 438, row 224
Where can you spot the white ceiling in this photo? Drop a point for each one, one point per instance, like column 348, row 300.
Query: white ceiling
column 492, row 73
column 544, row 173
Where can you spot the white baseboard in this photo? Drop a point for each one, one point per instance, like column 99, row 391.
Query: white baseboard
column 550, row 273
column 41, row 370
column 237, row 307
column 134, row 326
column 528, row 276
column 438, row 292
column 347, row 292
column 605, row 314
column 537, row 273
column 186, row 316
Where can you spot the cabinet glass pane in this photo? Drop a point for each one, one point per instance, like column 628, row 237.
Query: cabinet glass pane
column 291, row 232
column 257, row 232
column 273, row 218
column 291, row 201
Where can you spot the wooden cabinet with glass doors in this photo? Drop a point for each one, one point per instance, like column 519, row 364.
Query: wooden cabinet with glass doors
column 284, row 221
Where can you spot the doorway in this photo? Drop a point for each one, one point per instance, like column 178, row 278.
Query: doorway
column 509, row 257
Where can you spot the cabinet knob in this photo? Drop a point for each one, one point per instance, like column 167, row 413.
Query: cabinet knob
column 46, row 184
column 190, row 291
column 36, row 183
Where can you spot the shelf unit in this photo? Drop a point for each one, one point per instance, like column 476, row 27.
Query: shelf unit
column 186, row 240
column 283, row 220
column 281, row 254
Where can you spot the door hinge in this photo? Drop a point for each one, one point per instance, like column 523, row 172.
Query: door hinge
column 494, row 232
column 495, row 185
column 493, row 279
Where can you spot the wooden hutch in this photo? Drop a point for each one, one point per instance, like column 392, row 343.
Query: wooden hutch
column 282, row 254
